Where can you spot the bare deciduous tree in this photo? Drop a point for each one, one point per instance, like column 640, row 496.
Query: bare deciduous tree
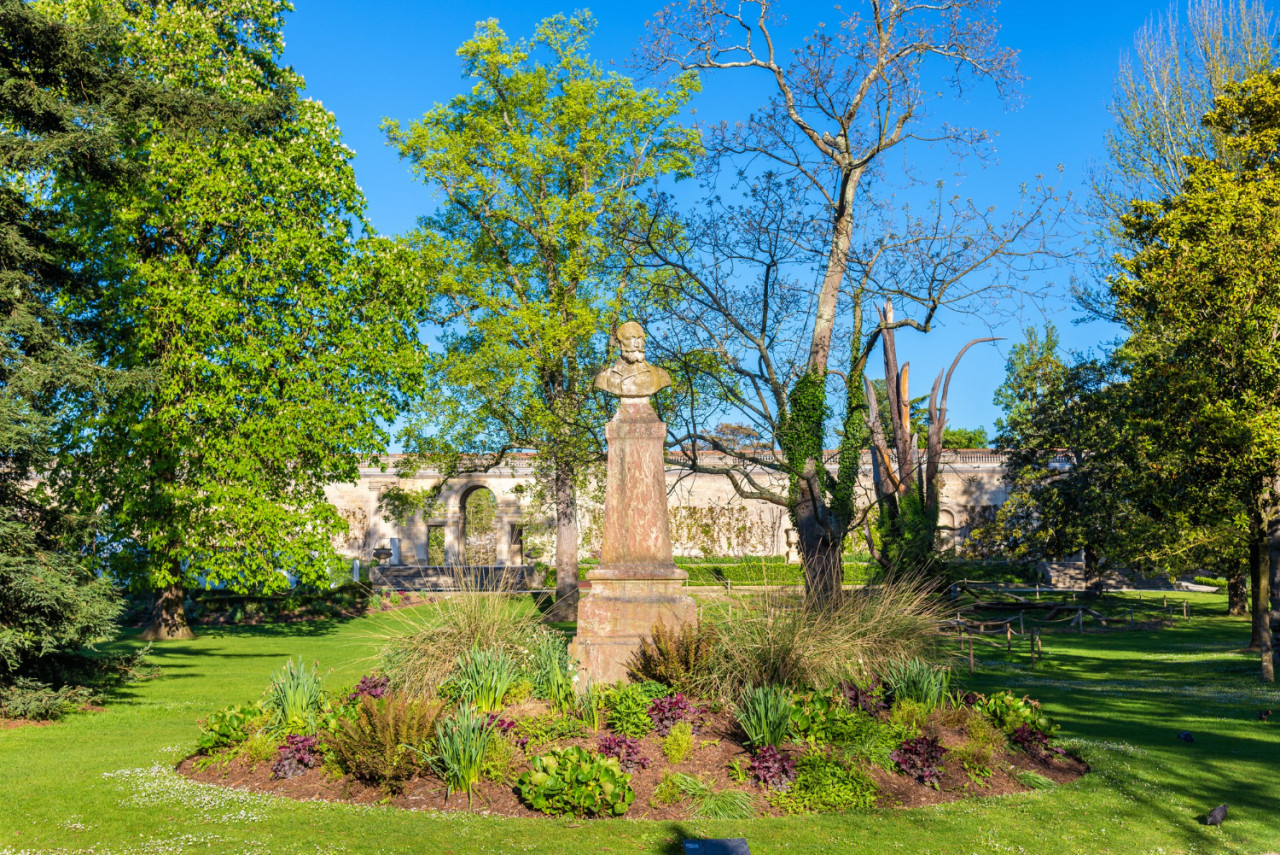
column 775, row 290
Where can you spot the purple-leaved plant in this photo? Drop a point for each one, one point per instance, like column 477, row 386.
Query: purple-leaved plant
column 298, row 754
column 868, row 698
column 1034, row 742
column 666, row 713
column 773, row 768
column 921, row 758
column 501, row 725
column 626, row 750
column 373, row 685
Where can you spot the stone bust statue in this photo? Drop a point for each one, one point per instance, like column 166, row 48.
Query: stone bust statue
column 631, row 376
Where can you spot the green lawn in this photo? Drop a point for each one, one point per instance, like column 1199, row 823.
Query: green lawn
column 100, row 782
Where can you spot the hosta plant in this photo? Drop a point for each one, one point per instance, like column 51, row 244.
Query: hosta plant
column 921, row 758
column 227, row 727
column 1010, row 712
column 577, row 782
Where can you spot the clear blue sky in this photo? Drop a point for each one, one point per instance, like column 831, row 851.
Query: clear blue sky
column 370, row 60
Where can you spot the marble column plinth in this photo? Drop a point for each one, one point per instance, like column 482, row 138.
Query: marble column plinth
column 636, row 583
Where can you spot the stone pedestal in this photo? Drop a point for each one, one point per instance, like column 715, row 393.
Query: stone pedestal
column 636, row 584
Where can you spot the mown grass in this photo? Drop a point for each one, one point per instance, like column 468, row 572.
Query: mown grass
column 1122, row 697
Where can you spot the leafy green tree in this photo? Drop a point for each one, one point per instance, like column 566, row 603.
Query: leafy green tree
column 1201, row 296
column 66, row 100
column 537, row 169
column 234, row 269
column 965, row 438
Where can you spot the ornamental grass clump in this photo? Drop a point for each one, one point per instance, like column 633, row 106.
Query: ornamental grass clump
column 483, row 678
column 294, row 700
column 764, row 714
column 776, row 638
column 461, row 741
column 551, row 670
column 423, row 651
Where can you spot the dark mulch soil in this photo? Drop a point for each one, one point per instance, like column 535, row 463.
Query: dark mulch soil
column 714, row 749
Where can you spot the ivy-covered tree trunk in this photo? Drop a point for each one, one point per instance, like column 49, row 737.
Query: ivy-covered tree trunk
column 170, row 622
column 566, row 503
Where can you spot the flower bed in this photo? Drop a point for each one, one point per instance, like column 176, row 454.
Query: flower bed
column 484, row 743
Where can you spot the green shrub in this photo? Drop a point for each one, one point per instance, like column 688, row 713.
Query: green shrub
column 227, row 727
column 676, row 657
column 461, row 741
column 668, row 791
column 874, row 741
column 521, row 690
column 375, row 746
column 549, row 727
column 1211, row 581
column 764, row 714
column 919, row 681
column 677, row 744
column 909, row 717
column 294, row 700
column 36, row 701
column 1009, row 712
column 500, row 759
column 824, row 783
column 577, row 782
column 628, row 708
column 260, row 747
column 483, row 678
column 825, row 717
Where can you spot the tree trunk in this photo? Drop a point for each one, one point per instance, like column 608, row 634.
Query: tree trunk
column 1271, row 556
column 820, row 554
column 1237, row 593
column 1262, row 608
column 1257, row 607
column 170, row 622
column 566, row 500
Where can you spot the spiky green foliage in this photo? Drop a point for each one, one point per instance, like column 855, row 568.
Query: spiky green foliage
column 764, row 714
column 294, row 699
column 461, row 743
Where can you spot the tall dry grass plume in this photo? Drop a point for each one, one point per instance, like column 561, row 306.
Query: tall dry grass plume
column 773, row 637
column 422, row 651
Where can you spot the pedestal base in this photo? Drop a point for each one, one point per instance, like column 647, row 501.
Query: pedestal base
column 615, row 614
